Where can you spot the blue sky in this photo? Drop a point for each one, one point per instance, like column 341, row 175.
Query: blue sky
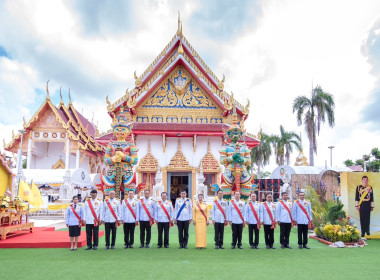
column 270, row 52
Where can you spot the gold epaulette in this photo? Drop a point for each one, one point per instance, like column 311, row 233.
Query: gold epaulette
column 99, row 199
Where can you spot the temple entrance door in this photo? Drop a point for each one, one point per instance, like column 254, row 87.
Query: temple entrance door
column 148, row 180
column 178, row 181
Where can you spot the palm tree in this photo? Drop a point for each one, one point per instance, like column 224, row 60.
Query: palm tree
column 312, row 112
column 284, row 143
column 260, row 155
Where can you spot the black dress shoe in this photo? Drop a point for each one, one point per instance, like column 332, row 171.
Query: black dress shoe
column 287, row 246
column 221, row 247
column 180, row 246
column 88, row 248
column 282, row 246
column 185, row 246
column 95, row 248
column 233, row 247
column 131, row 246
column 240, row 247
column 141, row 246
column 159, row 246
column 166, row 246
column 216, row 247
column 256, row 247
column 268, row 247
column 272, row 247
column 126, row 246
column 112, row 247
column 107, row 247
column 305, row 246
column 147, row 246
column 71, row 249
column 253, row 247
column 300, row 246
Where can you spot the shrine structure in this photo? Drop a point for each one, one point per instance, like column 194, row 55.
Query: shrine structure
column 179, row 110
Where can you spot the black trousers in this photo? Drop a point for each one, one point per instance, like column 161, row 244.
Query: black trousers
column 183, row 232
column 163, row 228
column 219, row 234
column 253, row 228
column 92, row 235
column 237, row 233
column 110, row 227
column 285, row 229
column 302, row 234
column 129, row 233
column 269, row 235
column 365, row 216
column 145, row 227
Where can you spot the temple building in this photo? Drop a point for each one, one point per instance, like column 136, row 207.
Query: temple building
column 179, row 111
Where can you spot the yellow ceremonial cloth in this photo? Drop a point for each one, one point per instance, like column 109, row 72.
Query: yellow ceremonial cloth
column 200, row 225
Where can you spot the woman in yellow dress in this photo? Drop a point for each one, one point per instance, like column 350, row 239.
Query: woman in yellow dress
column 201, row 221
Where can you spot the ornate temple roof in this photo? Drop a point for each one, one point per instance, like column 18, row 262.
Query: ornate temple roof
column 177, row 52
column 78, row 128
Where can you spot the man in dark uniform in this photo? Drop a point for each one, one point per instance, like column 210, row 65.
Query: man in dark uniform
column 364, row 204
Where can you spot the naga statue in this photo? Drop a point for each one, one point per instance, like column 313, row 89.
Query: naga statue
column 120, row 156
column 235, row 156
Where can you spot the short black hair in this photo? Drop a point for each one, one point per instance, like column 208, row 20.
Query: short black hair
column 365, row 177
column 183, row 191
column 200, row 195
column 94, row 191
column 268, row 194
column 164, row 193
column 284, row 193
column 219, row 191
column 301, row 192
column 75, row 196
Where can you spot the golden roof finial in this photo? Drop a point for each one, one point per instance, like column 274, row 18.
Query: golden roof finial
column 47, row 91
column 179, row 29
column 148, row 146
column 4, row 144
column 108, row 104
column 24, row 121
column 138, row 82
column 179, row 145
column 180, row 48
column 259, row 134
column 13, row 135
column 221, row 83
column 70, row 103
column 60, row 94
column 245, row 110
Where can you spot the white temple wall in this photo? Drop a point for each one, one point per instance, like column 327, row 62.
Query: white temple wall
column 46, row 154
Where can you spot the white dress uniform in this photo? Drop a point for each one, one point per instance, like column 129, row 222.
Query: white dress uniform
column 129, row 221
column 145, row 221
column 268, row 223
column 183, row 219
column 92, row 227
column 302, row 221
column 163, row 221
column 254, row 224
column 218, row 218
column 285, row 219
column 110, row 223
column 237, row 222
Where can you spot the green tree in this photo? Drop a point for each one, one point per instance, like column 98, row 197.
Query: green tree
column 260, row 155
column 312, row 112
column 348, row 162
column 283, row 145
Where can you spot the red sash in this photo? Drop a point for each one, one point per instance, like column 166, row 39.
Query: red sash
column 287, row 209
column 255, row 214
column 130, row 209
column 151, row 220
column 307, row 215
column 96, row 219
column 76, row 215
column 113, row 213
column 237, row 210
column 221, row 210
column 166, row 212
column 203, row 213
column 270, row 216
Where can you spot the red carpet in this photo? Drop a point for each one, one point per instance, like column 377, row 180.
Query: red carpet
column 43, row 237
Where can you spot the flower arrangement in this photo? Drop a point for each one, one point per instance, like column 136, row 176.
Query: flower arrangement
column 346, row 233
column 19, row 203
column 4, row 202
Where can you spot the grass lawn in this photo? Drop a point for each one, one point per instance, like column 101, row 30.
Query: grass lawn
column 321, row 262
